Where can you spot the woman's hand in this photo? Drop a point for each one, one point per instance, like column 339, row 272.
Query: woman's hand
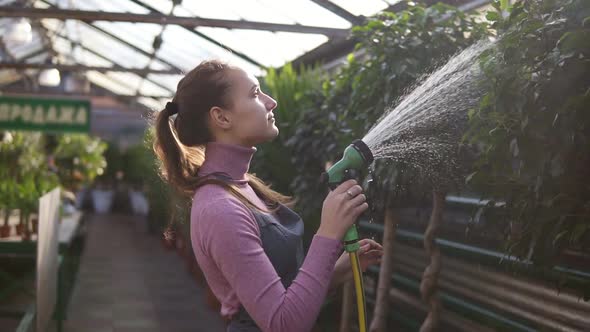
column 341, row 209
column 370, row 253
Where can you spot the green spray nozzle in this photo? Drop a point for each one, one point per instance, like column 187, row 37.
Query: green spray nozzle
column 356, row 157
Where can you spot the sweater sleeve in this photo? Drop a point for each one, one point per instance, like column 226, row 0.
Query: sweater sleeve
column 234, row 243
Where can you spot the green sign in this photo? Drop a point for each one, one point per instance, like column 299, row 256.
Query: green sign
column 44, row 114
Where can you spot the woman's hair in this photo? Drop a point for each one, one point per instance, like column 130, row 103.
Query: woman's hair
column 179, row 142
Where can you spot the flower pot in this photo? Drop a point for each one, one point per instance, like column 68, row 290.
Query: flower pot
column 4, row 231
column 139, row 203
column 102, row 200
column 20, row 229
column 26, row 235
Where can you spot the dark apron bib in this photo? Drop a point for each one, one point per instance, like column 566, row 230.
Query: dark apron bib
column 281, row 236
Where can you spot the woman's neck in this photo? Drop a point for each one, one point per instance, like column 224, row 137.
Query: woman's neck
column 232, row 160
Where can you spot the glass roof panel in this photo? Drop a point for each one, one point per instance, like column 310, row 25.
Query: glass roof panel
column 186, row 50
column 164, row 6
column 88, row 58
column 64, row 48
column 303, row 12
column 110, row 48
column 158, row 65
column 117, row 82
column 140, row 35
column 38, row 58
column 271, row 49
column 106, row 82
column 170, row 81
column 365, row 7
column 131, row 80
column 306, row 12
column 103, row 5
column 153, row 104
column 150, row 89
column 20, row 50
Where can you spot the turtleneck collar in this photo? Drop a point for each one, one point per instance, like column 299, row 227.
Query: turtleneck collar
column 231, row 159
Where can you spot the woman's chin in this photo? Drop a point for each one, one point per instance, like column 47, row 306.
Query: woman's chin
column 274, row 131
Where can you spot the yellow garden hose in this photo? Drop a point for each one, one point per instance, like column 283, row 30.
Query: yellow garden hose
column 359, row 290
column 356, row 156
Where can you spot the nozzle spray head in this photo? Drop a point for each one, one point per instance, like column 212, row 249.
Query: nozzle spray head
column 356, row 156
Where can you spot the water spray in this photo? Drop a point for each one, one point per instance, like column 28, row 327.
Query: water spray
column 356, row 157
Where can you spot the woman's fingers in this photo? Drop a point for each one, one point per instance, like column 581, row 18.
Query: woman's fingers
column 360, row 209
column 358, row 200
column 344, row 186
column 371, row 243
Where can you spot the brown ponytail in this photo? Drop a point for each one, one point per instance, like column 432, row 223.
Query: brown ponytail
column 182, row 132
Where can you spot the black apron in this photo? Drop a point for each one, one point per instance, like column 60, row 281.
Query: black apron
column 281, row 236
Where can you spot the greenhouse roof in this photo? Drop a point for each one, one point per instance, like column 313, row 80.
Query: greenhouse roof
column 140, row 48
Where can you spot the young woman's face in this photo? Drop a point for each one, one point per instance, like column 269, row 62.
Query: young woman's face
column 251, row 113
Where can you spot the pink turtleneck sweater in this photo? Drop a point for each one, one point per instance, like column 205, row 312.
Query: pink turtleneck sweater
column 226, row 242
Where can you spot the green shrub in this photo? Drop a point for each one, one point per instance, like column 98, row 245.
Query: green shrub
column 533, row 127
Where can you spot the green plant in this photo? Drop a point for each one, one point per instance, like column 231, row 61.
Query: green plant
column 21, row 159
column 533, row 127
column 137, row 164
column 79, row 159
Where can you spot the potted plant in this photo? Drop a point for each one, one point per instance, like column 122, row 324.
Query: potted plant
column 80, row 159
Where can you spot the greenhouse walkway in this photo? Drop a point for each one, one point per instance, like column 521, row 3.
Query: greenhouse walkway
column 129, row 282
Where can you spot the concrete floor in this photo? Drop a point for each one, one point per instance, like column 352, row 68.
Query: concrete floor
column 129, row 282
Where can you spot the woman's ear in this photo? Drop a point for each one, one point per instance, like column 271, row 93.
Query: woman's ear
column 220, row 118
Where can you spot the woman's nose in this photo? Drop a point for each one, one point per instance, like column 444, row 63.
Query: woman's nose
column 271, row 104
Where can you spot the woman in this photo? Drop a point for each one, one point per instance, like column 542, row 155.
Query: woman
column 245, row 238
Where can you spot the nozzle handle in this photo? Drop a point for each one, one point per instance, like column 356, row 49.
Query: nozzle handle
column 347, row 174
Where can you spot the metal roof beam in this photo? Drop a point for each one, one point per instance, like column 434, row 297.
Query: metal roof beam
column 62, row 67
column 191, row 22
column 71, row 94
column 345, row 14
